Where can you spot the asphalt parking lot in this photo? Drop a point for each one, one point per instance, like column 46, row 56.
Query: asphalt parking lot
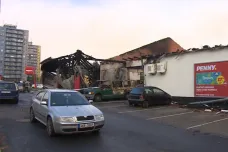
column 188, row 119
column 127, row 129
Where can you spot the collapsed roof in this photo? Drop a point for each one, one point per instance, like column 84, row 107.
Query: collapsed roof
column 79, row 58
column 161, row 46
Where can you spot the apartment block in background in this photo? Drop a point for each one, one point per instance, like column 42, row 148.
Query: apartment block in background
column 2, row 50
column 33, row 57
column 13, row 46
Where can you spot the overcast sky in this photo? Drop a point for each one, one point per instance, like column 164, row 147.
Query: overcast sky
column 106, row 28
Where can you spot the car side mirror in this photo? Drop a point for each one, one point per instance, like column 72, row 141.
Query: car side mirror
column 90, row 101
column 43, row 102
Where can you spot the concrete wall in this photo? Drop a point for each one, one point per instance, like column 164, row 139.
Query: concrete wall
column 109, row 71
column 179, row 77
column 134, row 63
column 2, row 50
column 134, row 74
column 25, row 51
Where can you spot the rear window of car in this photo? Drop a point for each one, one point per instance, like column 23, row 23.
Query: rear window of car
column 137, row 90
column 7, row 86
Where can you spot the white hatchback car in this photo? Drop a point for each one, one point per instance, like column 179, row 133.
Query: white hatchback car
column 65, row 112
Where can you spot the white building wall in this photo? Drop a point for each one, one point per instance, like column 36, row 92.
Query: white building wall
column 108, row 71
column 134, row 63
column 134, row 74
column 179, row 77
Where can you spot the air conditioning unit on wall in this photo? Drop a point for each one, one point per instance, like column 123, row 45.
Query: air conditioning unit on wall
column 151, row 68
column 162, row 67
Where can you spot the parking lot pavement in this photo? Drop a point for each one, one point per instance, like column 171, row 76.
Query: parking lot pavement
column 127, row 129
column 188, row 119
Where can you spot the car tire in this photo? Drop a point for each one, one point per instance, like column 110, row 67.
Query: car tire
column 130, row 103
column 15, row 101
column 126, row 96
column 96, row 131
column 97, row 98
column 50, row 127
column 169, row 102
column 32, row 116
column 145, row 104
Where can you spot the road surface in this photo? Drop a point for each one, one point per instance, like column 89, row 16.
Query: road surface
column 126, row 130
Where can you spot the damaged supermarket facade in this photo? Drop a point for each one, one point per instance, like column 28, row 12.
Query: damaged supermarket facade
column 188, row 75
column 70, row 71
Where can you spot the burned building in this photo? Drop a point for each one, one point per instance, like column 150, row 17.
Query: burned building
column 71, row 71
column 135, row 59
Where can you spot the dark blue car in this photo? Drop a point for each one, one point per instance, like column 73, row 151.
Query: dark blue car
column 9, row 91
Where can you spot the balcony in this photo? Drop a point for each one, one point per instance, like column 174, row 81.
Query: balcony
column 13, row 60
column 18, row 40
column 13, row 64
column 9, row 68
column 14, row 44
column 12, row 76
column 13, row 72
column 14, row 31
column 20, row 32
column 8, row 55
column 32, row 54
column 14, row 52
column 11, row 31
column 14, row 36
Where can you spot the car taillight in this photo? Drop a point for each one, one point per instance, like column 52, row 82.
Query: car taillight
column 141, row 97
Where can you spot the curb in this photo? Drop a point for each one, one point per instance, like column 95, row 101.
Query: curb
column 175, row 104
column 213, row 110
column 123, row 101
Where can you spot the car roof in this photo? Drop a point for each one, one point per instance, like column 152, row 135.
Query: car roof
column 145, row 87
column 60, row 90
column 6, row 82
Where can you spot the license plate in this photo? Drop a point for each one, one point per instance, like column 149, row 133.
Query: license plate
column 86, row 125
column 5, row 92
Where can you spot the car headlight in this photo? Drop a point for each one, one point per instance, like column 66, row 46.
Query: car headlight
column 99, row 117
column 91, row 92
column 68, row 119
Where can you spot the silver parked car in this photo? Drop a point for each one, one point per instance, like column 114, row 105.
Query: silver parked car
column 65, row 112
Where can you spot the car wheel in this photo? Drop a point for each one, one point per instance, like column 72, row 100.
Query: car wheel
column 168, row 102
column 126, row 96
column 50, row 127
column 130, row 103
column 96, row 131
column 32, row 116
column 145, row 104
column 15, row 101
column 97, row 98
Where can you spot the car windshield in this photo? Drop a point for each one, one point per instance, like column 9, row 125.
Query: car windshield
column 7, row 86
column 137, row 90
column 67, row 99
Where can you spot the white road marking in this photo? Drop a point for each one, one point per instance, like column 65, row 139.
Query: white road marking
column 112, row 106
column 178, row 114
column 206, row 123
column 140, row 110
